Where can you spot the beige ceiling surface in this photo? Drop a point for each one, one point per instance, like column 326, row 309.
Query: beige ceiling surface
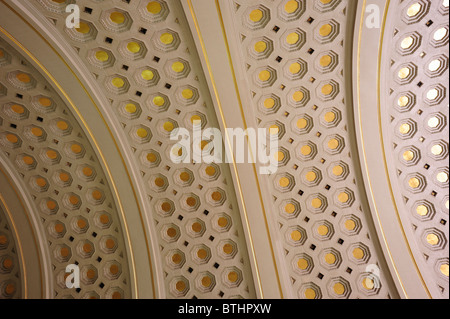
column 358, row 206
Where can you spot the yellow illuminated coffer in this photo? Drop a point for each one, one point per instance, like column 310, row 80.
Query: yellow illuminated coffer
column 116, row 125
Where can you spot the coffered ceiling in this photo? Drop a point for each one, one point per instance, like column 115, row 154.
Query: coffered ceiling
column 354, row 93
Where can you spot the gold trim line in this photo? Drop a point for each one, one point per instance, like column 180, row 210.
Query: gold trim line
column 216, row 94
column 382, row 144
column 384, row 155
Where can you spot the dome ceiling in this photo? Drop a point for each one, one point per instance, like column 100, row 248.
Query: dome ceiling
column 357, row 102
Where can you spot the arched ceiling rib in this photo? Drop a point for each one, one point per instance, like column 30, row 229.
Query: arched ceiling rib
column 55, row 160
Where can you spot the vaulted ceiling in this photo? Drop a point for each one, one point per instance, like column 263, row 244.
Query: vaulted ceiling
column 354, row 92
